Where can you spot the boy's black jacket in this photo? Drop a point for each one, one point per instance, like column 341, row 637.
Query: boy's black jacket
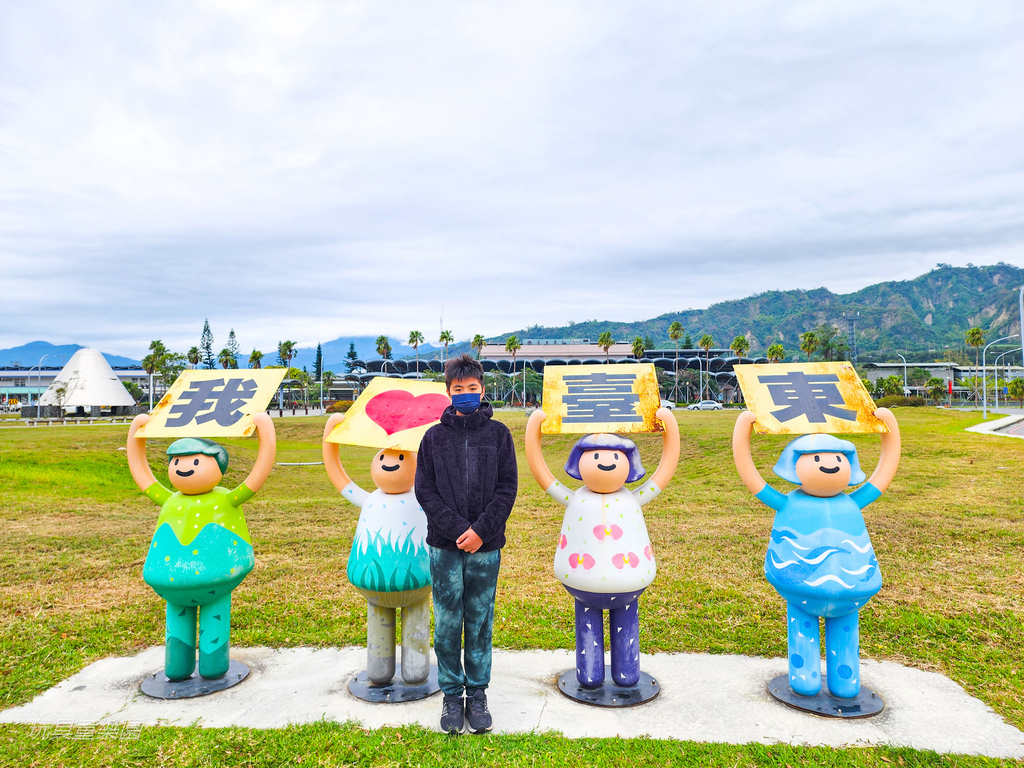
column 466, row 476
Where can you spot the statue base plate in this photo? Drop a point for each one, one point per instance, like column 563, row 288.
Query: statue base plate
column 867, row 703
column 609, row 694
column 159, row 687
column 394, row 692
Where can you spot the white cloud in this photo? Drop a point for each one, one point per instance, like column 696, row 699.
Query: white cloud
column 309, row 170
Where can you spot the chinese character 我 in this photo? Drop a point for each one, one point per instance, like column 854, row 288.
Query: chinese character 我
column 222, row 405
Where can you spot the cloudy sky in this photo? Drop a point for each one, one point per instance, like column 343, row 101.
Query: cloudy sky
column 309, row 170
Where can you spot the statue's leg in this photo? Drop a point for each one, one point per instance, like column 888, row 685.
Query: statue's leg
column 215, row 637
column 589, row 646
column 842, row 655
column 804, row 653
column 416, row 642
column 380, row 644
column 180, row 642
column 624, row 627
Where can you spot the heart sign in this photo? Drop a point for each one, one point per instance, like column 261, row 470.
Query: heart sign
column 398, row 410
column 392, row 413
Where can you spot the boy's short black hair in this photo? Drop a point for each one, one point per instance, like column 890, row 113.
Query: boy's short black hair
column 461, row 368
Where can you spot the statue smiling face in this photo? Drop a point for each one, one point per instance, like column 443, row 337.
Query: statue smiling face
column 394, row 471
column 604, row 471
column 195, row 465
column 604, row 462
column 823, row 474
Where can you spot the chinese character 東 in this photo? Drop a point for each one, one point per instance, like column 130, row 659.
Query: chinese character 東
column 601, row 397
column 815, row 397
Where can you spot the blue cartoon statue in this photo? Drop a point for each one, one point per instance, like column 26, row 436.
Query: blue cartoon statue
column 603, row 556
column 389, row 563
column 820, row 557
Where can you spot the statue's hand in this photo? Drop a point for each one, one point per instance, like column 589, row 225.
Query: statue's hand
column 664, row 414
column 335, row 420
column 137, row 423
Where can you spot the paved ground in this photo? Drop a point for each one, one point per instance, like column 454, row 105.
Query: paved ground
column 704, row 698
column 1006, row 426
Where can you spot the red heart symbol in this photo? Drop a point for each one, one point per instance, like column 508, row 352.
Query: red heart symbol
column 397, row 410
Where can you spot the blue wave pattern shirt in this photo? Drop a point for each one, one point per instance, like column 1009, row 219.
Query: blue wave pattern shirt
column 820, row 556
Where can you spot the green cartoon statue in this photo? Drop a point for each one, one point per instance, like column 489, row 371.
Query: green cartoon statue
column 201, row 549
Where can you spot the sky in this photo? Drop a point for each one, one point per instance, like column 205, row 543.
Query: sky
column 309, row 170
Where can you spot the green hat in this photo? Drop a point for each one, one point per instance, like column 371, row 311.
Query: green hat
column 189, row 446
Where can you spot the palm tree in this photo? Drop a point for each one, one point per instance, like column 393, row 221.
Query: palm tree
column 256, row 359
column 975, row 337
column 151, row 362
column 936, row 388
column 415, row 339
column 285, row 352
column 224, row 358
column 479, row 342
column 808, row 343
column 513, row 345
column 383, row 347
column 675, row 332
column 740, row 345
column 892, row 385
column 605, row 341
column 706, row 343
column 776, row 352
column 446, row 339
column 638, row 347
column 193, row 356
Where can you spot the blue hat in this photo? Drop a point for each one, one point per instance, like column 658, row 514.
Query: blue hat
column 785, row 467
column 604, row 441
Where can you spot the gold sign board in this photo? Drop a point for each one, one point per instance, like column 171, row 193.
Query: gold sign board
column 600, row 398
column 392, row 413
column 807, row 398
column 212, row 403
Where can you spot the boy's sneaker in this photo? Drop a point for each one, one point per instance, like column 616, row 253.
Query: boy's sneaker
column 452, row 717
column 476, row 712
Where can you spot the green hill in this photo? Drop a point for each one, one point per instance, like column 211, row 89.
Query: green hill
column 921, row 318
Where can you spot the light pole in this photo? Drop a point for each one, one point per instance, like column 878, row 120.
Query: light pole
column 995, row 365
column 39, row 395
column 984, row 379
column 901, row 357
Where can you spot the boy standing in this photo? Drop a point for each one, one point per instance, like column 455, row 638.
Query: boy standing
column 466, row 482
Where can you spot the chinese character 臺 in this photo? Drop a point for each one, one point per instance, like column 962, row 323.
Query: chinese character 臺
column 601, row 397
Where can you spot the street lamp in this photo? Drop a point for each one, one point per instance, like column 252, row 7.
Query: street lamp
column 995, row 365
column 984, row 379
column 901, row 357
column 40, row 380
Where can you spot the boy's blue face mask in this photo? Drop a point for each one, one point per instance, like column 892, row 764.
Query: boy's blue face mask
column 466, row 402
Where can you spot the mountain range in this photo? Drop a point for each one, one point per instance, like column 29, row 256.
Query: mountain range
column 924, row 318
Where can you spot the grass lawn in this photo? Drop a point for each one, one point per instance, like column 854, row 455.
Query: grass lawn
column 948, row 534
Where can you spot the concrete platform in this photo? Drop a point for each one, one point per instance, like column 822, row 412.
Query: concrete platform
column 704, row 698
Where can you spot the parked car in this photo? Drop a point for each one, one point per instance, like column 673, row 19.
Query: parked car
column 705, row 405
column 667, row 404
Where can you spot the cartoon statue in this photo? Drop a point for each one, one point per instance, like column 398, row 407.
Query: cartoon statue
column 603, row 556
column 389, row 563
column 820, row 557
column 201, row 549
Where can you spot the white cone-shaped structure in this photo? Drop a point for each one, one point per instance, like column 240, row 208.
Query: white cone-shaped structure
column 88, row 380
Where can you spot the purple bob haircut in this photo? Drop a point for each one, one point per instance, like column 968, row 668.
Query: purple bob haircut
column 605, row 442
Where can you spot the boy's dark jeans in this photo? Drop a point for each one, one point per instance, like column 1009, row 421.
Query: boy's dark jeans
column 464, row 585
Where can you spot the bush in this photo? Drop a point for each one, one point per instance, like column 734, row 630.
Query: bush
column 497, row 403
column 339, row 406
column 899, row 401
